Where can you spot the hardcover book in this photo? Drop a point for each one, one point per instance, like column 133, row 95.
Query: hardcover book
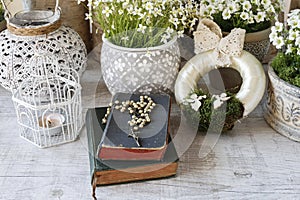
column 153, row 138
column 120, row 171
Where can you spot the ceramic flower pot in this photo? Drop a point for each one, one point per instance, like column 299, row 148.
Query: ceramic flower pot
column 282, row 108
column 258, row 43
column 140, row 70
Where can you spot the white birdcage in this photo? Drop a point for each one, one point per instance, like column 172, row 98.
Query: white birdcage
column 48, row 103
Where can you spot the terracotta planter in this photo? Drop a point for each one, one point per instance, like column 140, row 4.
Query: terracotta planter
column 282, row 108
column 140, row 70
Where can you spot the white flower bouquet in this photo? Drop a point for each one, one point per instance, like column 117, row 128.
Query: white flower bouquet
column 286, row 38
column 141, row 23
column 251, row 15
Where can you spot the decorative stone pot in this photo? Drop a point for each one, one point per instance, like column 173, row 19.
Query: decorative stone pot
column 282, row 108
column 258, row 43
column 140, row 70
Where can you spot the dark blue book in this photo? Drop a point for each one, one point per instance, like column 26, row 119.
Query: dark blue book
column 153, row 138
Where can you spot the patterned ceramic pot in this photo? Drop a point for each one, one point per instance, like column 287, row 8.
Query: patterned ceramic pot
column 140, row 70
column 258, row 43
column 282, row 108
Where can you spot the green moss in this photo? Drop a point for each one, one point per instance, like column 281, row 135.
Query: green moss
column 203, row 118
column 287, row 67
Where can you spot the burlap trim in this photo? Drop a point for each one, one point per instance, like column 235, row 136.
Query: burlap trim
column 32, row 31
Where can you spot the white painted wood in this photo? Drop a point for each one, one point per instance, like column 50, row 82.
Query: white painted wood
column 250, row 162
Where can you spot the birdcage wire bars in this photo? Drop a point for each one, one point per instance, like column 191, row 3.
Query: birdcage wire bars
column 48, row 103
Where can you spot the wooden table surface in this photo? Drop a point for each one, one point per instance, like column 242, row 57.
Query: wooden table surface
column 250, row 162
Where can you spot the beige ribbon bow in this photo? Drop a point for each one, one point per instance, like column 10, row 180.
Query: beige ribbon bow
column 208, row 36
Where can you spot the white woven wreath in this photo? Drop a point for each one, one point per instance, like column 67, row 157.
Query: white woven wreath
column 213, row 52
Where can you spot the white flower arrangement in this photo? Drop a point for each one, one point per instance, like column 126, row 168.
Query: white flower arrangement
column 251, row 15
column 142, row 23
column 287, row 38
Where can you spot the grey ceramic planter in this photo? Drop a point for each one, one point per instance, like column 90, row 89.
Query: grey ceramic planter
column 282, row 108
column 140, row 70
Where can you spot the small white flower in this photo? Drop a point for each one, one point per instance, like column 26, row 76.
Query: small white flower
column 180, row 34
column 79, row 1
column 156, row 12
column 266, row 3
column 272, row 36
column 232, row 7
column 164, row 38
column 210, row 9
column 244, row 16
column 226, row 14
column 219, row 100
column 247, row 6
column 141, row 28
column 149, row 6
column 121, row 12
column 126, row 38
column 278, row 26
column 169, row 31
column 88, row 16
column 260, row 17
column 251, row 19
column 107, row 11
column 293, row 35
column 174, row 21
column 278, row 42
column 220, row 7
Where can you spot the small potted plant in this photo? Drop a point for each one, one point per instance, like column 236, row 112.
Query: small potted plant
column 140, row 51
column 255, row 16
column 283, row 103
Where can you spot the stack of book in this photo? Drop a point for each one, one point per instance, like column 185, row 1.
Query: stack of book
column 116, row 158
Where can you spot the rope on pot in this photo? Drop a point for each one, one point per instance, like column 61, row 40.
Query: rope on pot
column 47, row 22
